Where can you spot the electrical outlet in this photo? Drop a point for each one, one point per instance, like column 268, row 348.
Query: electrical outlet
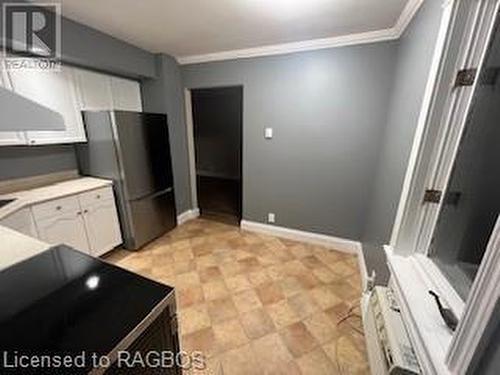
column 271, row 217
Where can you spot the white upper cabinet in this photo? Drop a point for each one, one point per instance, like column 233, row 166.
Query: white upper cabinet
column 94, row 89
column 126, row 94
column 9, row 138
column 99, row 92
column 57, row 91
column 68, row 92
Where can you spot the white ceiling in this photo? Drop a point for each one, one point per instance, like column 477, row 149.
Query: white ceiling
column 194, row 27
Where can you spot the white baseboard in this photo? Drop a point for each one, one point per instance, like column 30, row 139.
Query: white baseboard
column 188, row 215
column 340, row 244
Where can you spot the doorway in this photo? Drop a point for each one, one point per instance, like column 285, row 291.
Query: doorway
column 217, row 117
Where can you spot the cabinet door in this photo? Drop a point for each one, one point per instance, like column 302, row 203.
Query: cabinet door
column 9, row 138
column 66, row 228
column 103, row 228
column 55, row 90
column 21, row 221
column 126, row 94
column 95, row 90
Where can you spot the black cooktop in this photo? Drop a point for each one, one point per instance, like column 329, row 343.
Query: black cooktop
column 64, row 301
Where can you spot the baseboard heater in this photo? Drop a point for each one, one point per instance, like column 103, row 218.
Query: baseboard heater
column 389, row 347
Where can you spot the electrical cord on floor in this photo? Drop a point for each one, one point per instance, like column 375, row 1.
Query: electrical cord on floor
column 350, row 314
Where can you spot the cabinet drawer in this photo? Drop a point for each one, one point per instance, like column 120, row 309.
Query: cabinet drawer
column 92, row 197
column 56, row 207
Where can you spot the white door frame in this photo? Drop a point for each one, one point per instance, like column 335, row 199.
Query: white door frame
column 190, row 143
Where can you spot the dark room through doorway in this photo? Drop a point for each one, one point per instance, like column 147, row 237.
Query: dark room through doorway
column 217, row 131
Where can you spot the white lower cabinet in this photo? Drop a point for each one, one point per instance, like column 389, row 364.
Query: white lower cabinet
column 86, row 221
column 22, row 222
column 65, row 228
column 103, row 228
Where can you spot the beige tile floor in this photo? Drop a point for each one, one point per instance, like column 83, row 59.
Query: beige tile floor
column 257, row 304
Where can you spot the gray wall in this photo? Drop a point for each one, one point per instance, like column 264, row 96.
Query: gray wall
column 165, row 95
column 416, row 48
column 414, row 56
column 17, row 162
column 87, row 47
column 328, row 110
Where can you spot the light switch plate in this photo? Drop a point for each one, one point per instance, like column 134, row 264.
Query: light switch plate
column 268, row 133
column 271, row 218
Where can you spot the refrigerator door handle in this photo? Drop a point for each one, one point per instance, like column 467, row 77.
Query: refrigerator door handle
column 154, row 195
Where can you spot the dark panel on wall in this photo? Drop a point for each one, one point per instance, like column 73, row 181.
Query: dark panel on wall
column 18, row 162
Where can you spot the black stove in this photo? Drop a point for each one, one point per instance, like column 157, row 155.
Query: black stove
column 63, row 301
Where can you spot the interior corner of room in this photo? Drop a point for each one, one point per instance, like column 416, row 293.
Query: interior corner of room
column 357, row 172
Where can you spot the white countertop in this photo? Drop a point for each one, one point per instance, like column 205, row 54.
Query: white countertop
column 58, row 190
column 17, row 247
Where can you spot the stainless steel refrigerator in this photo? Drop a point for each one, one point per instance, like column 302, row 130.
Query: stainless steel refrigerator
column 133, row 150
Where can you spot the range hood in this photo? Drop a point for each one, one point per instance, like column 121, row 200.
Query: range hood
column 18, row 113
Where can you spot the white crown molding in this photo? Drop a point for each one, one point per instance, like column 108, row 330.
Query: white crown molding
column 284, row 48
column 406, row 16
column 313, row 44
column 335, row 243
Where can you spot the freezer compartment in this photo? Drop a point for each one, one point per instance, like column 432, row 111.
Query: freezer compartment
column 151, row 217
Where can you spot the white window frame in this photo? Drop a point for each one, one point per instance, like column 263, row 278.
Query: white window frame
column 462, row 43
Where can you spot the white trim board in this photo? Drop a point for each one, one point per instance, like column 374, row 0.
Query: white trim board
column 188, row 107
column 336, row 243
column 430, row 90
column 381, row 35
column 188, row 215
column 363, row 270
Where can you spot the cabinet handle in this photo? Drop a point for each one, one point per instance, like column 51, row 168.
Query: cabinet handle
column 85, row 211
column 79, row 213
column 58, row 208
column 98, row 196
